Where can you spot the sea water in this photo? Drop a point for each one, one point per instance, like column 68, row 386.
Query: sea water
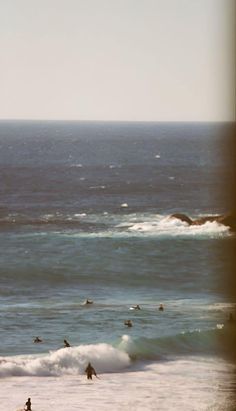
column 85, row 214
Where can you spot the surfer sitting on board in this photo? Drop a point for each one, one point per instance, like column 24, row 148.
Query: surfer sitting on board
column 66, row 344
column 128, row 323
column 90, row 371
column 136, row 307
column 161, row 307
column 28, row 405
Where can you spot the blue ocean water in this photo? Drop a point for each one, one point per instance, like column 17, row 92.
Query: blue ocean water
column 84, row 214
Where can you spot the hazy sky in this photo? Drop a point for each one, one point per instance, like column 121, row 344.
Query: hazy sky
column 160, row 60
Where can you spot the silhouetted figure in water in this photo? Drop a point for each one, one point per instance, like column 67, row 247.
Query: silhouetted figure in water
column 28, row 405
column 37, row 340
column 87, row 302
column 128, row 323
column 90, row 371
column 161, row 307
column 136, row 307
column 66, row 344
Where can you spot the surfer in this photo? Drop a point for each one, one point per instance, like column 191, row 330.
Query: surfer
column 161, row 307
column 136, row 307
column 90, row 371
column 37, row 340
column 128, row 323
column 88, row 302
column 66, row 344
column 28, row 405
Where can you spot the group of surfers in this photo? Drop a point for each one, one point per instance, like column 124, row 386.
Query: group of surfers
column 89, row 370
column 128, row 323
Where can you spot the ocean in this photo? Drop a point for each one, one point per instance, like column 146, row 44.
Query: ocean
column 85, row 214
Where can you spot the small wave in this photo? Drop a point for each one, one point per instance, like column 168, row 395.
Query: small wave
column 66, row 361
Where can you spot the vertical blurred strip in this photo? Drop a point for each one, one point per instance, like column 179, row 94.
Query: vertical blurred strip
column 229, row 192
column 229, row 183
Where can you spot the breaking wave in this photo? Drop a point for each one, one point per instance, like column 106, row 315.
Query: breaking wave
column 71, row 361
column 107, row 359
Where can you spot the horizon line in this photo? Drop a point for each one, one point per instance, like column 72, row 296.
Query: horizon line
column 112, row 121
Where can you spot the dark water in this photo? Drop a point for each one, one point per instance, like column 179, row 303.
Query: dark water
column 83, row 214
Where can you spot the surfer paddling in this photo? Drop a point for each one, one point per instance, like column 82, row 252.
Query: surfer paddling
column 27, row 406
column 90, row 371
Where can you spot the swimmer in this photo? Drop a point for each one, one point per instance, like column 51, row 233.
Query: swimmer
column 90, row 371
column 161, row 307
column 128, row 323
column 37, row 340
column 66, row 344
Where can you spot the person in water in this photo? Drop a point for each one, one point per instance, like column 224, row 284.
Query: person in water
column 161, row 307
column 136, row 307
column 28, row 405
column 90, row 371
column 37, row 340
column 128, row 323
column 66, row 344
column 88, row 302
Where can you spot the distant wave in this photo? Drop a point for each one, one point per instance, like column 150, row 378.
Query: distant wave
column 114, row 225
column 164, row 226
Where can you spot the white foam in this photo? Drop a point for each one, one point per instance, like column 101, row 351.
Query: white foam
column 188, row 384
column 146, row 224
column 66, row 361
column 166, row 226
